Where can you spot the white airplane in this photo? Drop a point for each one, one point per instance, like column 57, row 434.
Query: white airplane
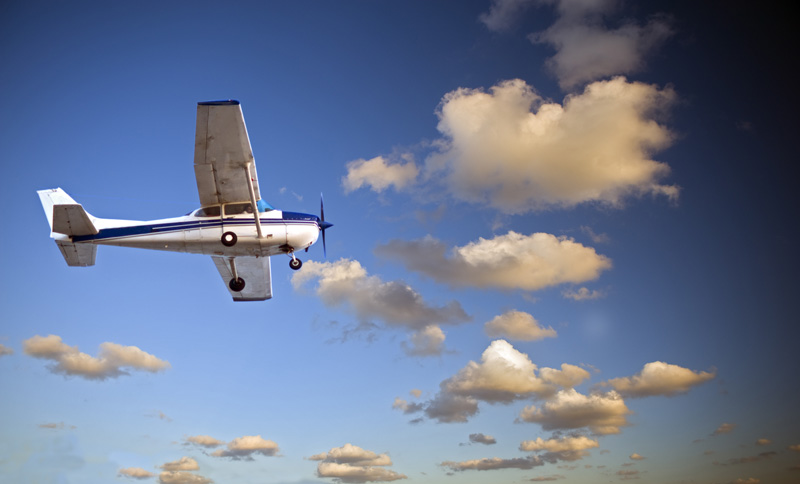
column 238, row 229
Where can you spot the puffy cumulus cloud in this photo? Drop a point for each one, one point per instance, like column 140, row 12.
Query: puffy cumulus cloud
column 204, row 441
column 5, row 350
column 448, row 408
column 636, row 456
column 493, row 463
column 570, row 448
column 587, row 49
column 346, row 283
column 503, row 375
column 379, row 174
column 602, row 413
column 180, row 477
column 659, row 378
column 724, row 428
column 567, row 377
column 352, row 464
column 503, row 13
column 111, row 362
column 518, row 325
column 482, row 439
column 184, row 464
column 564, row 444
column 511, row 261
column 428, row 341
column 407, row 407
column 517, row 152
column 582, row 294
column 243, row 448
column 135, row 473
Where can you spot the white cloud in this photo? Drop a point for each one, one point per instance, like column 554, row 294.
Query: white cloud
column 352, row 464
column 346, row 283
column 204, row 441
column 243, row 448
column 135, row 473
column 503, row 13
column 56, row 426
column 111, row 361
column 511, row 261
column 406, row 407
column 587, row 49
column 184, row 464
column 5, row 350
column 568, row 448
column 448, row 408
column 379, row 174
column 179, row 477
column 724, row 428
column 493, row 463
column 482, row 439
column 428, row 341
column 567, row 377
column 503, row 375
column 636, row 456
column 517, row 152
column 602, row 413
column 517, row 325
column 582, row 294
column 659, row 378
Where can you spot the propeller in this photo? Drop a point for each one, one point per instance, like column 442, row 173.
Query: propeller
column 323, row 225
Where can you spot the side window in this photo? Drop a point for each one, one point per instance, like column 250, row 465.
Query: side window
column 238, row 209
column 208, row 212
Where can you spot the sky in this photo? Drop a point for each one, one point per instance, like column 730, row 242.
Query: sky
column 563, row 244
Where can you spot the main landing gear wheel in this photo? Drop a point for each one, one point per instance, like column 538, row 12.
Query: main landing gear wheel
column 236, row 285
column 295, row 264
column 229, row 239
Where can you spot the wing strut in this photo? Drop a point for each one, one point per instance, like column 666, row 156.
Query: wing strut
column 253, row 199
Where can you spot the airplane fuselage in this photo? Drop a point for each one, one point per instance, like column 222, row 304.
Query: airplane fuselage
column 281, row 233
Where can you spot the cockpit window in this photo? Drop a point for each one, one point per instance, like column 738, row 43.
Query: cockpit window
column 208, row 212
column 238, row 208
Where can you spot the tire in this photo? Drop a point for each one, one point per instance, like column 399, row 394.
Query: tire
column 229, row 239
column 236, row 285
column 295, row 264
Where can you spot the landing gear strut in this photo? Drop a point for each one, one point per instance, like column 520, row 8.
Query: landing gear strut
column 237, row 283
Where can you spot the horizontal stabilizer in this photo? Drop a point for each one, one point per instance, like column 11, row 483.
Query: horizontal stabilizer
column 77, row 255
column 71, row 219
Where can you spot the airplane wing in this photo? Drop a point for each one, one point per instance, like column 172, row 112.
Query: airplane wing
column 256, row 274
column 221, row 153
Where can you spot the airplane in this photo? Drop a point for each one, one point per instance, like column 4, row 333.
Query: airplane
column 234, row 225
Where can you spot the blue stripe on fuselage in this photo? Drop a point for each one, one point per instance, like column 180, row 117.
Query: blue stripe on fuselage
column 147, row 229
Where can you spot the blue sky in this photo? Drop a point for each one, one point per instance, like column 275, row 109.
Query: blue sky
column 563, row 244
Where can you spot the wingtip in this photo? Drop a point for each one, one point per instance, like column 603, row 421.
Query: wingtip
column 228, row 102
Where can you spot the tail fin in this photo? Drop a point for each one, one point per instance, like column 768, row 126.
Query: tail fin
column 65, row 215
